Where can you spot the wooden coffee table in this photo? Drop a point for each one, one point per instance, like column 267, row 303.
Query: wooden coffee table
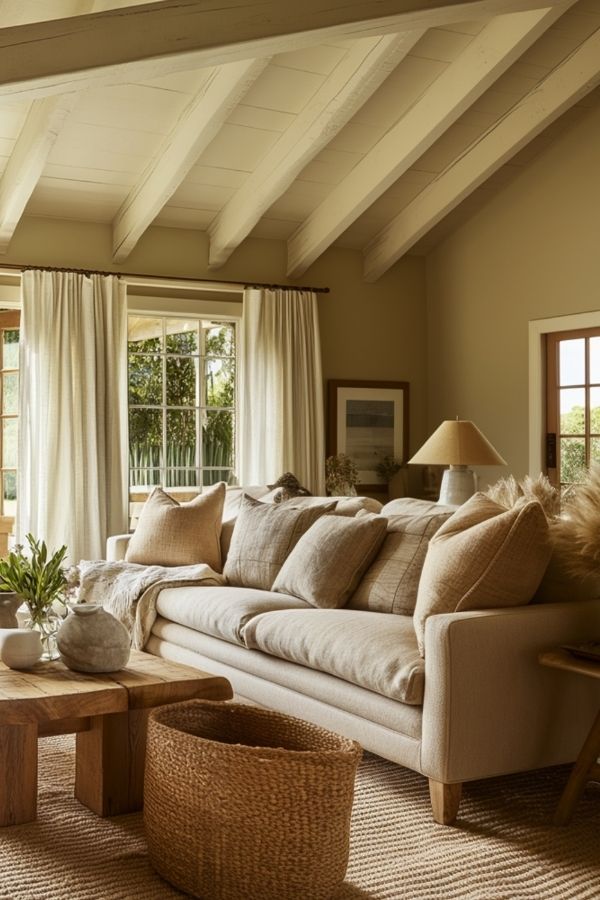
column 107, row 712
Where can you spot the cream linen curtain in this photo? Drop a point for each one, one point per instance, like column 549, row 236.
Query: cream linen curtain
column 72, row 481
column 281, row 426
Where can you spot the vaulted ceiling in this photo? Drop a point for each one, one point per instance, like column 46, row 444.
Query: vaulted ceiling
column 370, row 124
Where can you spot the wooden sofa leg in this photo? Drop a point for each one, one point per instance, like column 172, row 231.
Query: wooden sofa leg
column 445, row 800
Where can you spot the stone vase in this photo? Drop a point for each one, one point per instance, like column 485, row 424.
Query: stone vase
column 9, row 604
column 92, row 640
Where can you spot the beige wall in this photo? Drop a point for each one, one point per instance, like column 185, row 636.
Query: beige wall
column 532, row 252
column 368, row 331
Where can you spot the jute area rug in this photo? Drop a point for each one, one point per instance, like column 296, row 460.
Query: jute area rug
column 504, row 847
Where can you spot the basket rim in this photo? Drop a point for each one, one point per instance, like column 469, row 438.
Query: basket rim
column 347, row 747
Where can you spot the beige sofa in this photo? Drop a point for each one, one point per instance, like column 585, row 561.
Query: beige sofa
column 478, row 705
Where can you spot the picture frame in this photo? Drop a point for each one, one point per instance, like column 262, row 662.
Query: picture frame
column 368, row 420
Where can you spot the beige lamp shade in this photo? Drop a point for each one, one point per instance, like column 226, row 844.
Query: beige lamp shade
column 457, row 443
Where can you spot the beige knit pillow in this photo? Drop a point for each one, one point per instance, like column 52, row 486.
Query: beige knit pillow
column 263, row 537
column 391, row 582
column 483, row 557
column 330, row 559
column 179, row 534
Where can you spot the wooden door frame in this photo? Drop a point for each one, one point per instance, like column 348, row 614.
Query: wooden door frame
column 538, row 328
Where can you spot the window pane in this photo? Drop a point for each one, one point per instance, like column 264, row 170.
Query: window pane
column 572, row 459
column 9, row 443
column 181, row 381
column 10, row 348
column 595, row 449
column 10, row 394
column 145, row 440
column 217, row 439
column 9, row 493
column 595, row 360
column 182, row 478
column 144, row 477
column 572, row 361
column 181, row 438
column 145, row 380
column 182, row 336
column 219, row 383
column 219, row 339
column 572, row 411
column 595, row 410
column 144, row 334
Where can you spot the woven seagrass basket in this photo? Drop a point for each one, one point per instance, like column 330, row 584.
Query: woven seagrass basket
column 243, row 803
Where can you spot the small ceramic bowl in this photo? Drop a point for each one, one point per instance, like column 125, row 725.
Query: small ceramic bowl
column 20, row 648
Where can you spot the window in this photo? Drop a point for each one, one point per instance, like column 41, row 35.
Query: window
column 573, row 404
column 9, row 409
column 182, row 377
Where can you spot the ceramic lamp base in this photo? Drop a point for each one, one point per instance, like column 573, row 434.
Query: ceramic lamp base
column 458, row 484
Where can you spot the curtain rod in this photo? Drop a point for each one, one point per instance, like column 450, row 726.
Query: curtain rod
column 244, row 284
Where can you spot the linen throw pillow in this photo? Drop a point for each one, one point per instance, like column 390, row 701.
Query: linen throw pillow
column 263, row 537
column 179, row 534
column 483, row 557
column 391, row 582
column 329, row 560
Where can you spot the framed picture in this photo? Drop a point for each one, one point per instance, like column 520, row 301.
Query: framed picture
column 368, row 420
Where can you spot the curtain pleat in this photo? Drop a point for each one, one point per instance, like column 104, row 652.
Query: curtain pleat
column 281, row 417
column 72, row 478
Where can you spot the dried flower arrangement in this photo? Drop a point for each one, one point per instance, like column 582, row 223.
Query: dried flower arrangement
column 341, row 474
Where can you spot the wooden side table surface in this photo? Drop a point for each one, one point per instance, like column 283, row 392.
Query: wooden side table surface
column 586, row 767
column 108, row 712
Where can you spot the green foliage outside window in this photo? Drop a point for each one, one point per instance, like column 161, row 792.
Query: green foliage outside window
column 198, row 389
column 573, row 462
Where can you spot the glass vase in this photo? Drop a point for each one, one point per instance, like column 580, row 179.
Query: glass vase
column 47, row 624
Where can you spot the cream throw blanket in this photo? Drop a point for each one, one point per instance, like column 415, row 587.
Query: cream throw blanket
column 130, row 591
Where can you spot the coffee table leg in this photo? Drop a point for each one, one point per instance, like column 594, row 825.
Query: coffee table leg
column 109, row 772
column 18, row 774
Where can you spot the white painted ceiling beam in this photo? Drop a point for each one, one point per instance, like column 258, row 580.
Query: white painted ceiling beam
column 351, row 84
column 196, row 128
column 28, row 158
column 488, row 56
column 564, row 86
column 142, row 42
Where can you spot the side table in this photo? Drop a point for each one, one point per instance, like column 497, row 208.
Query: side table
column 586, row 767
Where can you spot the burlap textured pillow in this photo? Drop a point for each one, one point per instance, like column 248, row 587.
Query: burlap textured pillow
column 391, row 582
column 330, row 559
column 483, row 557
column 179, row 534
column 263, row 537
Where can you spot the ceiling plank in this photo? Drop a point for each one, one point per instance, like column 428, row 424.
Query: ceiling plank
column 563, row 87
column 488, row 56
column 196, row 128
column 141, row 42
column 351, row 84
column 28, row 158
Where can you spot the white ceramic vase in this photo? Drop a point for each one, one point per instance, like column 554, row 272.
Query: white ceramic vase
column 20, row 648
column 92, row 640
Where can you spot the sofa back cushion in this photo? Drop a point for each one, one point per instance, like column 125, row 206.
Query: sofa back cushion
column 329, row 560
column 484, row 556
column 179, row 534
column 263, row 537
column 391, row 582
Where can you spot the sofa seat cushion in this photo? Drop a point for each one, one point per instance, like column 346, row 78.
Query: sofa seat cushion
column 377, row 651
column 220, row 611
column 391, row 582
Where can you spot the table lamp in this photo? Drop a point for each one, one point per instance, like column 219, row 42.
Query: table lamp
column 458, row 444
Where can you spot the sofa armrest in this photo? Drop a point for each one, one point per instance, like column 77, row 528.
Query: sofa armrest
column 490, row 708
column 116, row 546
